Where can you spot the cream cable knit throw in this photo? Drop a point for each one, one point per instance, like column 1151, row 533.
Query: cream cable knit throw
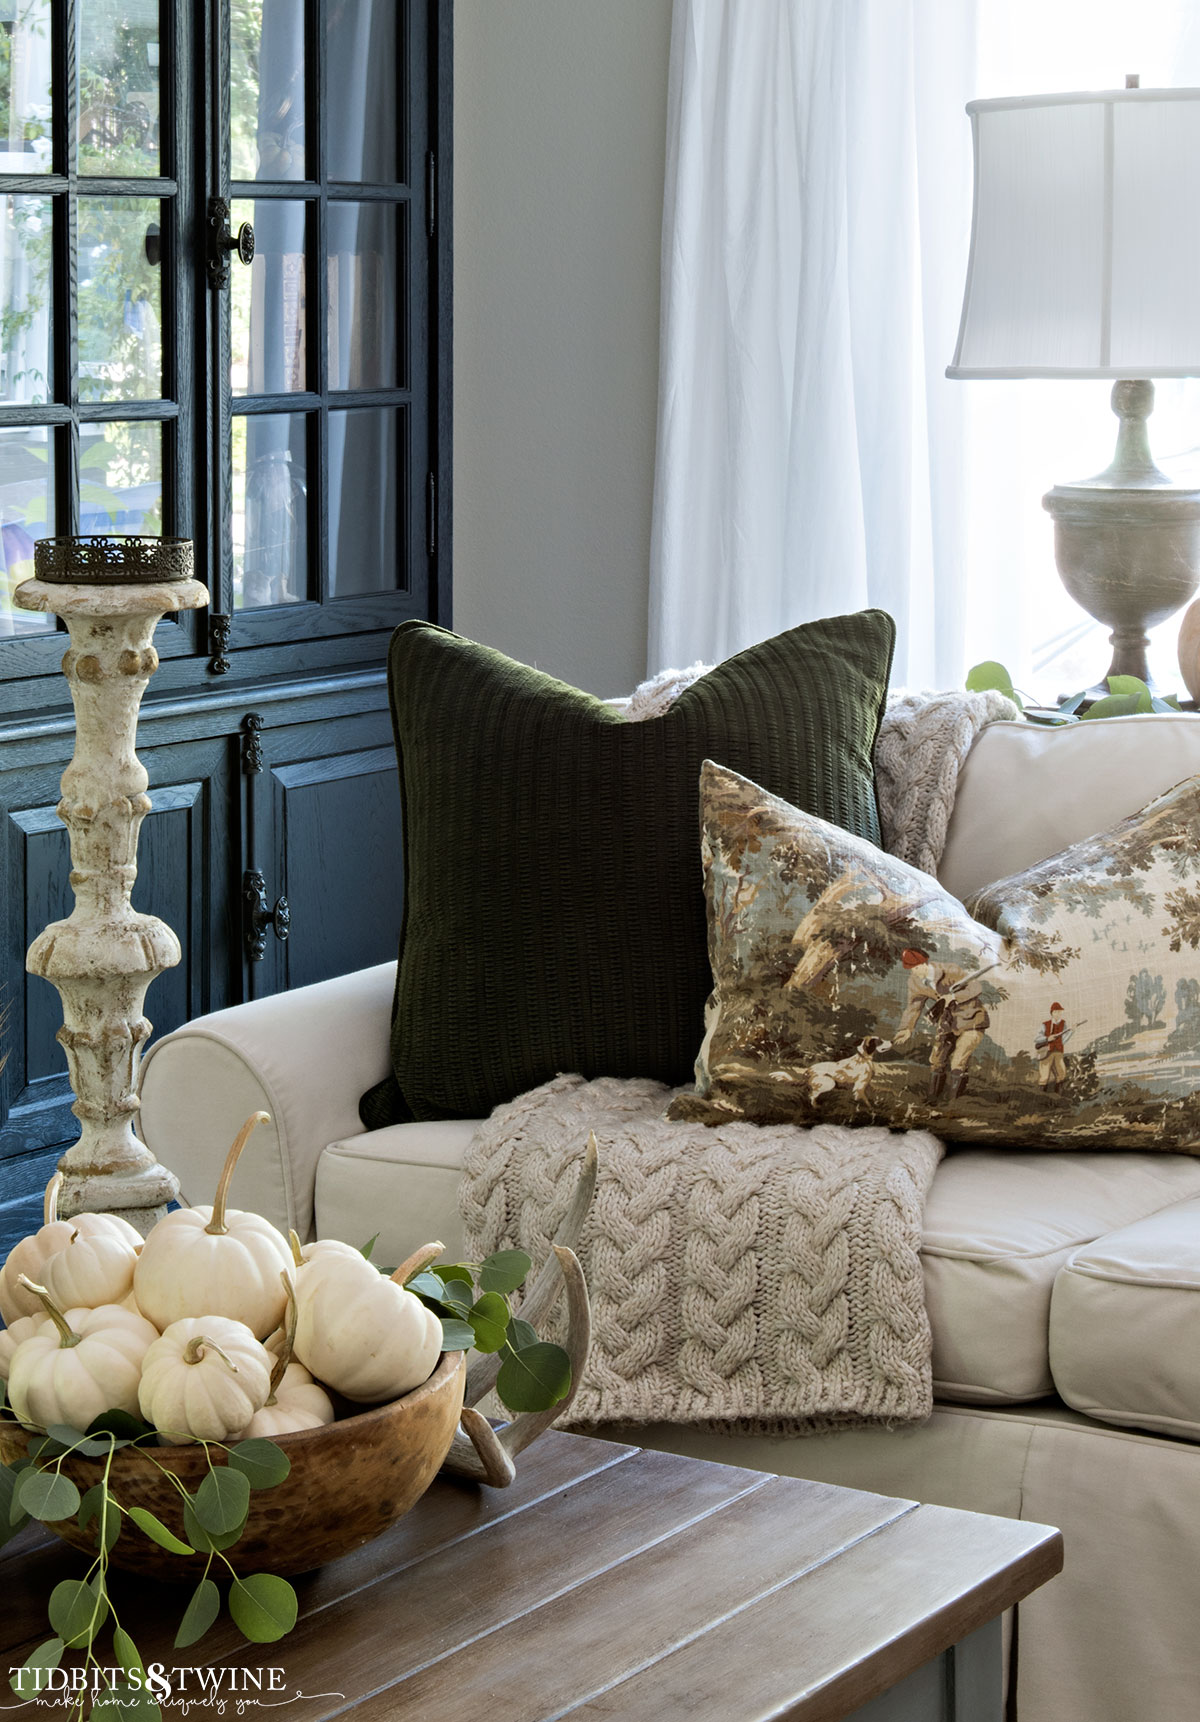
column 763, row 1278
column 767, row 1280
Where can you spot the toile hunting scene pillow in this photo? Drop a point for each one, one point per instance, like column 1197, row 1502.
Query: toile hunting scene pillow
column 1060, row 1008
column 553, row 911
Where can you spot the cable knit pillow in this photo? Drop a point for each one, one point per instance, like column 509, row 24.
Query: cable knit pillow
column 554, row 917
column 1060, row 1008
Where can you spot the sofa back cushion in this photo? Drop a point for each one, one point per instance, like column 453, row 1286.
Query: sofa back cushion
column 554, row 908
column 1026, row 792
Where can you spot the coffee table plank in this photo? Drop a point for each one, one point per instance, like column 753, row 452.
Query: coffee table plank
column 834, row 1638
column 454, row 1510
column 633, row 1614
column 379, row 1635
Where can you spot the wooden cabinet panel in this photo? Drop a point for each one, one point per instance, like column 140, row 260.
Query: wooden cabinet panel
column 326, row 835
column 185, row 853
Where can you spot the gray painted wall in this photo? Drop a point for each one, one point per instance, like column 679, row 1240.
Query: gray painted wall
column 559, row 139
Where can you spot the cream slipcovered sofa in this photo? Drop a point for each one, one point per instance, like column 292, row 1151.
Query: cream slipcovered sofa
column 1063, row 1288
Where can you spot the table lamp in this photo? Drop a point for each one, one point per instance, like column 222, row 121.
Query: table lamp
column 1085, row 262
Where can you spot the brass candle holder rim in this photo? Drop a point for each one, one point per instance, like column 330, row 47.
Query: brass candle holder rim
column 112, row 559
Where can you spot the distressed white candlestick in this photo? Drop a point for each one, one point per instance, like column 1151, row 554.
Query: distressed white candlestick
column 105, row 954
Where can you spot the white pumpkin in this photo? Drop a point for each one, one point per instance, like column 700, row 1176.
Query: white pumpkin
column 11, row 1337
column 297, row 1402
column 78, row 1364
column 204, row 1379
column 214, row 1261
column 92, row 1269
column 362, row 1334
column 31, row 1255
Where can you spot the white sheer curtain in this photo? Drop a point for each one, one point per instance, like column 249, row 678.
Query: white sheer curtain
column 812, row 456
column 809, row 446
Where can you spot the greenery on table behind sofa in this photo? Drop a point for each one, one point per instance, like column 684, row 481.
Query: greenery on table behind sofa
column 1126, row 696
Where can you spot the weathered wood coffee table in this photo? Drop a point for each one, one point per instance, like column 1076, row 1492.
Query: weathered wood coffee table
column 608, row 1582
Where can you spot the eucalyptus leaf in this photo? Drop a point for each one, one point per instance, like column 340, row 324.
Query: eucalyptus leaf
column 77, row 1609
column 534, row 1378
column 263, row 1607
column 456, row 1335
column 262, row 1463
column 504, row 1271
column 368, row 1247
column 1126, row 685
column 12, row 1513
column 1069, row 706
column 201, row 1611
column 122, row 1425
column 75, row 1441
column 451, row 1271
column 992, row 675
column 92, row 1507
column 126, row 1652
column 489, row 1318
column 1113, row 705
column 26, row 1682
column 459, row 1295
column 128, row 1700
column 426, row 1285
column 521, row 1334
column 153, row 1527
column 48, row 1496
column 205, row 1542
column 222, row 1501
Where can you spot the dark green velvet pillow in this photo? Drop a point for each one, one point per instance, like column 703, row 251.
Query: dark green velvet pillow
column 554, row 906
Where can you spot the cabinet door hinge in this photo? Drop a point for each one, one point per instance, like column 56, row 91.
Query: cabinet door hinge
column 430, row 514
column 219, row 627
column 430, row 194
column 252, row 753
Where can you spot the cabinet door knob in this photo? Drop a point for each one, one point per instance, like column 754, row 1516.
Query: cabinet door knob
column 260, row 916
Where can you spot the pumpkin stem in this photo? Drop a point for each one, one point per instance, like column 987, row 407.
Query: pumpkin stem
column 289, row 1335
column 67, row 1335
column 297, row 1251
column 419, row 1259
column 217, row 1224
column 193, row 1352
column 50, row 1200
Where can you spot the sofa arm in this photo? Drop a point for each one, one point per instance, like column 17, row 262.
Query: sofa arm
column 304, row 1056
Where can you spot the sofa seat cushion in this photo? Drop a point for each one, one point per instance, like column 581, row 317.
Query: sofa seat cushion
column 400, row 1183
column 999, row 1226
column 1125, row 1325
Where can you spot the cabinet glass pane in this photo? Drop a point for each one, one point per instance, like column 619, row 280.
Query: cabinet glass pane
column 361, row 274
column 361, row 80
column 270, row 510
column 25, row 87
column 25, row 246
column 117, row 71
column 120, row 300
column 364, row 483
column 120, row 478
column 267, row 307
column 266, row 107
column 26, row 513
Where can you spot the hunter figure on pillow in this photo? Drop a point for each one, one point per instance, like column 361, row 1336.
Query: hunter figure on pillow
column 957, row 1010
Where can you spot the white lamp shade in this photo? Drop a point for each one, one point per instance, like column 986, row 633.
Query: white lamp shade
column 1085, row 245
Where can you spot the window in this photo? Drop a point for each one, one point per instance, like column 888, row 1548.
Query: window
column 1025, row 436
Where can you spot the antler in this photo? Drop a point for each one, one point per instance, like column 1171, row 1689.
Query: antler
column 479, row 1450
column 487, row 1454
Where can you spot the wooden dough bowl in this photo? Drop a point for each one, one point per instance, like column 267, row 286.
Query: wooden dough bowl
column 349, row 1481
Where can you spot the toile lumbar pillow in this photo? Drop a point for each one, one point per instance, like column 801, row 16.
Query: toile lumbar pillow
column 1060, row 1008
column 554, row 914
